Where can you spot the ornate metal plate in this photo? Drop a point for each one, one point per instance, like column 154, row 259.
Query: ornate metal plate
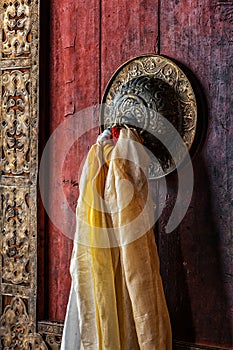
column 145, row 92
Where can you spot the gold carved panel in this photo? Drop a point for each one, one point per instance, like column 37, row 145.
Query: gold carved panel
column 15, row 242
column 52, row 333
column 15, row 121
column 16, row 28
column 17, row 328
column 19, row 80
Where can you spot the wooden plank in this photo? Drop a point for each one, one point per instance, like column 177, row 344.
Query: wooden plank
column 74, row 86
column 128, row 29
column 199, row 35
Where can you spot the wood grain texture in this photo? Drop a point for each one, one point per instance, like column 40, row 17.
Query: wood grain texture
column 128, row 29
column 198, row 34
column 74, row 86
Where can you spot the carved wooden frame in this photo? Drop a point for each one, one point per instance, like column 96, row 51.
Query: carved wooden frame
column 19, row 111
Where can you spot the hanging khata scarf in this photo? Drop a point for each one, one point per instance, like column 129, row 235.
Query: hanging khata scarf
column 116, row 300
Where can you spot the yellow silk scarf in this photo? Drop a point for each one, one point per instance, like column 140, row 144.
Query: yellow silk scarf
column 115, row 264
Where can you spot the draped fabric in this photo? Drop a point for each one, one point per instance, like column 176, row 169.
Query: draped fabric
column 116, row 300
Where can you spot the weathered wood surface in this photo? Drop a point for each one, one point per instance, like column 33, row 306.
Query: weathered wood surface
column 128, row 29
column 199, row 35
column 88, row 42
column 74, row 81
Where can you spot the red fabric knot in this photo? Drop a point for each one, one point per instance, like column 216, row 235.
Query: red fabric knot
column 115, row 133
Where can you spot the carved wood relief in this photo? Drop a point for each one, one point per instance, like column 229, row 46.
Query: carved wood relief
column 19, row 75
column 52, row 333
column 15, row 122
column 16, row 29
column 19, row 328
column 15, row 236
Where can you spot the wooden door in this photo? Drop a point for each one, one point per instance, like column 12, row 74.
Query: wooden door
column 88, row 42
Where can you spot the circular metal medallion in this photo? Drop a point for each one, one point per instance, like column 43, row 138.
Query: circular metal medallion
column 145, row 92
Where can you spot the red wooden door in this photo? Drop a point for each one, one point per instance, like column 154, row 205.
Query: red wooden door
column 88, row 41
